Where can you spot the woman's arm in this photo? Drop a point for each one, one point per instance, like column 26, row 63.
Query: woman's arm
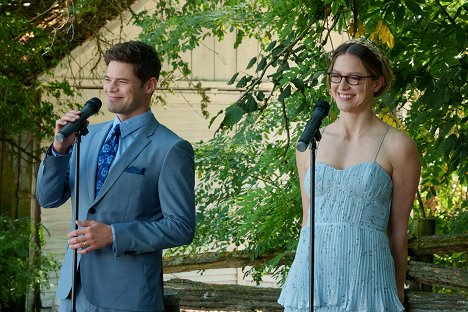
column 406, row 170
column 302, row 160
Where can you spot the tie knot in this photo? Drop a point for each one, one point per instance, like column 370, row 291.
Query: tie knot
column 117, row 130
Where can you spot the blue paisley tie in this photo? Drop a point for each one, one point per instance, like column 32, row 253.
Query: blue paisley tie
column 106, row 157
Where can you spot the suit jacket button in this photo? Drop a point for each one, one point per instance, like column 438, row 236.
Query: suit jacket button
column 92, row 210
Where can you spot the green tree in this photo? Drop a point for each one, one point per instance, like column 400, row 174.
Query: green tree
column 34, row 37
column 248, row 194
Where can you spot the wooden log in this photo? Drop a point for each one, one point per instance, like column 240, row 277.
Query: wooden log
column 425, row 273
column 424, row 245
column 433, row 274
column 215, row 260
column 211, row 297
column 196, row 296
column 437, row 244
column 429, row 302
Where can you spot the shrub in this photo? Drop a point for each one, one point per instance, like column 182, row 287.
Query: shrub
column 20, row 271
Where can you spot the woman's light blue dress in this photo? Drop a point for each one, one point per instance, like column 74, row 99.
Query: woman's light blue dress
column 354, row 269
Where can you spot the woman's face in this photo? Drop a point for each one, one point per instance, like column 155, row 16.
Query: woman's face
column 349, row 97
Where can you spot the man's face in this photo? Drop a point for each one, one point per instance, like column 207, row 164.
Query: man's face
column 127, row 95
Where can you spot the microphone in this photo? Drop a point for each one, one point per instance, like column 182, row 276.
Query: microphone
column 91, row 107
column 320, row 112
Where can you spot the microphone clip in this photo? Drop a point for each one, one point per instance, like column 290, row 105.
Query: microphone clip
column 317, row 135
column 83, row 130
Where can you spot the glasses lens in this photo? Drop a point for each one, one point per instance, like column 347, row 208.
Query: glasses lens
column 336, row 78
column 353, row 80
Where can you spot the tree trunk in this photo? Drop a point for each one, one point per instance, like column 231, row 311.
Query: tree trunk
column 15, row 175
column 34, row 304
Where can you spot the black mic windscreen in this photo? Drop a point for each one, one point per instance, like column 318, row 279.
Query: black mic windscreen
column 321, row 110
column 94, row 105
column 324, row 106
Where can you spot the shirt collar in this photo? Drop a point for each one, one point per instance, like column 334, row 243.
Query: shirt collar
column 132, row 124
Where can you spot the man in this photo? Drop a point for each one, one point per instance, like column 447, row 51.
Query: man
column 144, row 205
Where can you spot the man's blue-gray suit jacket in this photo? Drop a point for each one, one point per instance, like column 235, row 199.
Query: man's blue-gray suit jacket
column 149, row 199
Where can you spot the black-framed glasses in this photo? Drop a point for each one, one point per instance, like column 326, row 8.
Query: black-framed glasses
column 352, row 80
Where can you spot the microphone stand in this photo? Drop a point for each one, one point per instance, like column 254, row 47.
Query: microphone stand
column 313, row 147
column 81, row 131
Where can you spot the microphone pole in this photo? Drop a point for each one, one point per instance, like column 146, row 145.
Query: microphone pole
column 309, row 137
column 313, row 148
column 82, row 130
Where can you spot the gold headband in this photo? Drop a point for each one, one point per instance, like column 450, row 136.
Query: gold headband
column 371, row 46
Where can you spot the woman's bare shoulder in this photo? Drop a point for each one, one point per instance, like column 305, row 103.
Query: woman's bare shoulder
column 401, row 150
column 400, row 141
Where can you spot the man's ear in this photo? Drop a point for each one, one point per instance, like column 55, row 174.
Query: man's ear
column 150, row 85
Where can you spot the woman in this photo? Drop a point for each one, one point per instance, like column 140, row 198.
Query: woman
column 367, row 174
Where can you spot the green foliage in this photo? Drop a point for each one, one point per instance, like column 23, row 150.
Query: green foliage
column 33, row 39
column 248, row 195
column 19, row 271
column 432, row 66
column 253, row 201
column 21, row 62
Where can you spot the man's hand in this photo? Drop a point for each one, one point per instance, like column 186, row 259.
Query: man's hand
column 91, row 236
column 71, row 116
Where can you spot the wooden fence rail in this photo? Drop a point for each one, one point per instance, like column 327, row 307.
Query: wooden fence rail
column 433, row 274
column 437, row 244
column 209, row 297
column 194, row 295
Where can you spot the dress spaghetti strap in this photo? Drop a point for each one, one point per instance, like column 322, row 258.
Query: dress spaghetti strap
column 381, row 142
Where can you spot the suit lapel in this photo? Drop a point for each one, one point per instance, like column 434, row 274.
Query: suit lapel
column 127, row 157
